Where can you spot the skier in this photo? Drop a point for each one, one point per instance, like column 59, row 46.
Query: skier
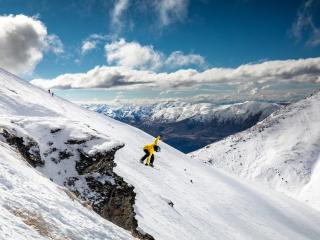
column 149, row 150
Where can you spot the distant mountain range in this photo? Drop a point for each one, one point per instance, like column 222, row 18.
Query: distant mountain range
column 189, row 126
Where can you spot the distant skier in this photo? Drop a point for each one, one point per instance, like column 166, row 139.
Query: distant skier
column 49, row 91
column 149, row 150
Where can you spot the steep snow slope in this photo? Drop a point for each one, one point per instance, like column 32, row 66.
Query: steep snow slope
column 283, row 151
column 213, row 205
column 189, row 126
column 32, row 207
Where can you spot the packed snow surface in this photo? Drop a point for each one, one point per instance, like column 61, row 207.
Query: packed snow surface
column 283, row 151
column 207, row 203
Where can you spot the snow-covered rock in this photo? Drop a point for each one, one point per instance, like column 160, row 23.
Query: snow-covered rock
column 282, row 152
column 189, row 126
column 32, row 207
column 179, row 199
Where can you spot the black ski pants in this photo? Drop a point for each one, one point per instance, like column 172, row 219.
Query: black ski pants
column 146, row 156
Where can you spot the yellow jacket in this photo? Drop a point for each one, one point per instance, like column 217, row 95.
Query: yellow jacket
column 150, row 148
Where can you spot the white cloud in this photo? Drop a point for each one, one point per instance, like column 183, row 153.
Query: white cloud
column 87, row 46
column 172, row 10
column 132, row 54
column 304, row 24
column 135, row 55
column 98, row 77
column 262, row 79
column 168, row 11
column 119, row 8
column 179, row 59
column 55, row 44
column 23, row 40
column 92, row 42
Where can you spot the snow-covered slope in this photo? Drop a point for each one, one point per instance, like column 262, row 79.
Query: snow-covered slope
column 189, row 126
column 283, row 151
column 207, row 203
column 32, row 207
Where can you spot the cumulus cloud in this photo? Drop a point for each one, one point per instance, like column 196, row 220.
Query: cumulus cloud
column 98, row 77
column 132, row 54
column 92, row 42
column 135, row 55
column 23, row 40
column 305, row 25
column 246, row 80
column 171, row 10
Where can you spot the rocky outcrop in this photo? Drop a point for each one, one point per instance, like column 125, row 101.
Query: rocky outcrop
column 116, row 197
column 27, row 147
column 108, row 194
column 101, row 162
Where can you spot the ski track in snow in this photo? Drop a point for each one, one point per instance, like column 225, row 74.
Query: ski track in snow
column 215, row 205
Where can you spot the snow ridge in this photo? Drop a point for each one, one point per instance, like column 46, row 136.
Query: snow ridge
column 283, row 151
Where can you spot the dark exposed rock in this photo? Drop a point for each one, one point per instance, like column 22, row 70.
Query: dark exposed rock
column 75, row 141
column 116, row 200
column 71, row 181
column 65, row 154
column 115, row 197
column 29, row 149
column 50, row 151
column 55, row 130
column 145, row 236
column 100, row 162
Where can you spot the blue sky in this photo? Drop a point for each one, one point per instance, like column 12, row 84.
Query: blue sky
column 207, row 34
